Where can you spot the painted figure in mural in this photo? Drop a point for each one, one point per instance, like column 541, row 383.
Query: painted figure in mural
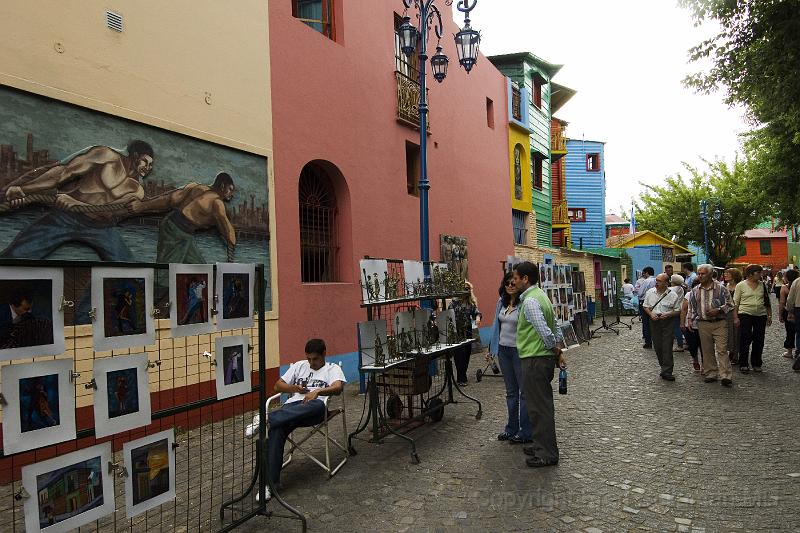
column 191, row 208
column 92, row 189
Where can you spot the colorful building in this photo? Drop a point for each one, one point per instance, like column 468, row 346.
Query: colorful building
column 646, row 248
column 766, row 247
column 347, row 161
column 533, row 74
column 586, row 192
column 560, row 95
column 616, row 225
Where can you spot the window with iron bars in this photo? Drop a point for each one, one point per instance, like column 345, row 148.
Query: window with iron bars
column 520, row 222
column 319, row 244
column 408, row 66
column 317, row 14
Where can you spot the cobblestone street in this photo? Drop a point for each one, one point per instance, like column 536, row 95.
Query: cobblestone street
column 637, row 453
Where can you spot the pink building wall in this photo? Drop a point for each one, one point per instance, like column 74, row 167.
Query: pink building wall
column 335, row 101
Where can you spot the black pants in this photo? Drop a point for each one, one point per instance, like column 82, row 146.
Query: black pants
column 645, row 326
column 537, row 374
column 751, row 331
column 788, row 343
column 693, row 341
column 663, row 332
column 461, row 360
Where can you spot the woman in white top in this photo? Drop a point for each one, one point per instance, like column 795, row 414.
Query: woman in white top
column 503, row 344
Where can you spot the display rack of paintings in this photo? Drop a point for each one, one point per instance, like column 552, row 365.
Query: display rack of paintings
column 122, row 394
column 68, row 491
column 122, row 303
column 39, row 405
column 150, row 465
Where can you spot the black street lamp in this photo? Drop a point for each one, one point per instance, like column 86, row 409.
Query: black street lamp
column 413, row 38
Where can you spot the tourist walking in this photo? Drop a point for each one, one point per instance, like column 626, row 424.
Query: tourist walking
column 676, row 285
column 688, row 274
column 644, row 284
column 710, row 303
column 503, row 344
column 731, row 278
column 690, row 334
column 789, row 341
column 662, row 305
column 538, row 337
column 752, row 313
column 778, row 282
column 793, row 314
column 466, row 308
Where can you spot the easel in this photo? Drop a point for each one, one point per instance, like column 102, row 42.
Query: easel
column 605, row 325
column 618, row 319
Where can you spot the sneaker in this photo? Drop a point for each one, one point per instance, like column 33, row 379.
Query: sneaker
column 696, row 366
column 503, row 436
column 757, row 369
column 788, row 355
column 744, row 369
column 516, row 439
column 252, row 428
column 727, row 382
column 536, row 462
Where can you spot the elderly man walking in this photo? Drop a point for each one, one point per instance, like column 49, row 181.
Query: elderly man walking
column 793, row 314
column 709, row 304
column 644, row 284
column 663, row 306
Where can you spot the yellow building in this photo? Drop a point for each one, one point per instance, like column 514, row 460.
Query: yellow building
column 647, row 248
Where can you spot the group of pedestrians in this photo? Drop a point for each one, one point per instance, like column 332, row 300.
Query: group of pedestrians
column 722, row 323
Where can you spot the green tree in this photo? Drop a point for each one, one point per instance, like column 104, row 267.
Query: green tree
column 674, row 208
column 755, row 59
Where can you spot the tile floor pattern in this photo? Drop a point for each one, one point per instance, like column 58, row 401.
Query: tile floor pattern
column 637, row 453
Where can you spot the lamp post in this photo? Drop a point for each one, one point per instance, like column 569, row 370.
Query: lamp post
column 415, row 37
column 704, row 203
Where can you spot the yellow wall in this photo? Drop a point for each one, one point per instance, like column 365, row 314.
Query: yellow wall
column 515, row 137
column 195, row 67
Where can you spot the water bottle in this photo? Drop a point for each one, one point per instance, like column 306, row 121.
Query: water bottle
column 562, row 380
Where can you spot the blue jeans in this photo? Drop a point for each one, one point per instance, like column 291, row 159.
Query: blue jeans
column 282, row 422
column 519, row 424
column 678, row 333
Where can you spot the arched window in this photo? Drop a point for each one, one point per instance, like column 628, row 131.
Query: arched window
column 518, row 172
column 319, row 243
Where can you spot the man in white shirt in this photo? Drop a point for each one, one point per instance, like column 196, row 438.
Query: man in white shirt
column 662, row 306
column 648, row 281
column 310, row 382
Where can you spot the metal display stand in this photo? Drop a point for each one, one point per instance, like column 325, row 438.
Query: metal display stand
column 429, row 404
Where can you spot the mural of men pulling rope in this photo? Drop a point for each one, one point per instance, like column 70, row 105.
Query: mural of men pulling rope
column 89, row 192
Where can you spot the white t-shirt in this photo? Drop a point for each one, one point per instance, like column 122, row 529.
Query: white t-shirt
column 661, row 303
column 627, row 290
column 301, row 373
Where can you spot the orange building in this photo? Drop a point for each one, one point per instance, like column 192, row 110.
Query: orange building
column 766, row 247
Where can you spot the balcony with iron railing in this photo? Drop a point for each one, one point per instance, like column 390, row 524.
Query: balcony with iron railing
column 408, row 101
column 561, row 214
column 558, row 141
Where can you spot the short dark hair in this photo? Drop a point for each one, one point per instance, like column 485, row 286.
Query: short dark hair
column 504, row 296
column 791, row 275
column 316, row 346
column 627, row 280
column 526, row 268
column 687, row 266
column 221, row 180
column 20, row 294
column 648, row 270
column 140, row 148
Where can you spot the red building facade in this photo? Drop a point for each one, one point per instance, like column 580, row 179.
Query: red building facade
column 347, row 160
column 766, row 247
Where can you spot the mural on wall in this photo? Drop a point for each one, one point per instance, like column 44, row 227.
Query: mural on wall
column 79, row 184
column 454, row 253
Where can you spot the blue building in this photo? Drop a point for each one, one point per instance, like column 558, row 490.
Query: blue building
column 586, row 193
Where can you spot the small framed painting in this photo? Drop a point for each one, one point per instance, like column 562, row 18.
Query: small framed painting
column 233, row 366
column 68, row 491
column 31, row 319
column 40, row 408
column 150, row 462
column 122, row 299
column 372, row 275
column 189, row 291
column 235, row 289
column 122, row 397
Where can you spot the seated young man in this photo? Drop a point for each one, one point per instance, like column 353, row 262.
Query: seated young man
column 310, row 382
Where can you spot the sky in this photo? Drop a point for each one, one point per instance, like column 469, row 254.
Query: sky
column 626, row 59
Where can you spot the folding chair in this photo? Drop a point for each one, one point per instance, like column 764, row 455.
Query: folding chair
column 296, row 444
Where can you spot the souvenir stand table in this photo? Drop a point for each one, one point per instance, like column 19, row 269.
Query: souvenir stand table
column 405, row 354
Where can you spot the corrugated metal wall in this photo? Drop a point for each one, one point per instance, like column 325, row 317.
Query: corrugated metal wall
column 587, row 190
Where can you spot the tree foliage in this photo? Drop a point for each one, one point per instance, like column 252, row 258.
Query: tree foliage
column 755, row 59
column 674, row 208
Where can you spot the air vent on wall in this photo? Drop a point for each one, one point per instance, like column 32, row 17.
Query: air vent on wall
column 114, row 21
